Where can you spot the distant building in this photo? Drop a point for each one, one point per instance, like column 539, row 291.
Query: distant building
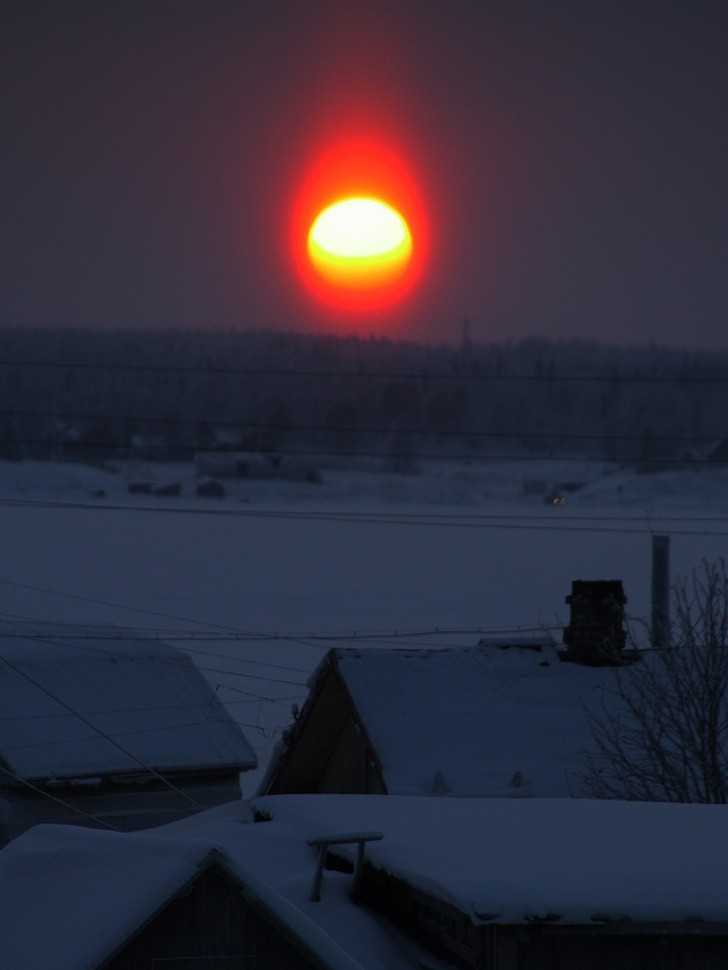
column 504, row 719
column 256, row 465
column 100, row 722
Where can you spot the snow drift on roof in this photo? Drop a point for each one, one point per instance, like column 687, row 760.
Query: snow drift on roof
column 509, row 861
column 481, row 721
column 146, row 695
column 100, row 887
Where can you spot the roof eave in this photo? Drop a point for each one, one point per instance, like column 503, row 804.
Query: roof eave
column 119, row 776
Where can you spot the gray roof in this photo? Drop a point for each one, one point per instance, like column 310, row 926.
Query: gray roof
column 145, row 695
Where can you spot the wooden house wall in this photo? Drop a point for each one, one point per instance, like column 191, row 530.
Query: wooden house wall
column 641, row 947
column 128, row 807
column 328, row 750
column 452, row 934
column 212, row 926
column 443, row 928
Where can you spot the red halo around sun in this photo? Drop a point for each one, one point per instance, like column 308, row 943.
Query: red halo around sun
column 351, row 170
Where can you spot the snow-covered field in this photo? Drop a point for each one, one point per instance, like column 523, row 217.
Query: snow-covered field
column 264, row 572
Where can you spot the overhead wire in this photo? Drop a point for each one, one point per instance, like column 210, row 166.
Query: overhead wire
column 461, row 375
column 117, row 734
column 97, row 601
column 329, row 428
column 389, row 454
column 107, row 633
column 409, row 519
column 54, row 798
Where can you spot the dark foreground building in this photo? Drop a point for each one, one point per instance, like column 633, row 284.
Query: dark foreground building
column 539, row 884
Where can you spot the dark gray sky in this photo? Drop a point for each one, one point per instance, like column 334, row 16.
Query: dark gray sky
column 572, row 157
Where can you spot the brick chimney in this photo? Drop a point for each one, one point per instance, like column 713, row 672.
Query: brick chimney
column 595, row 634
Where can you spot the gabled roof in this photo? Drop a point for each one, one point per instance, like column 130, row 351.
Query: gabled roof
column 581, row 860
column 144, row 694
column 99, row 888
column 113, row 882
column 490, row 720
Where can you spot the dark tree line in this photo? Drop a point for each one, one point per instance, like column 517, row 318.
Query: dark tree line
column 349, row 395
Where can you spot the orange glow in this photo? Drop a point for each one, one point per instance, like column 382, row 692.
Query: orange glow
column 359, row 236
column 360, row 242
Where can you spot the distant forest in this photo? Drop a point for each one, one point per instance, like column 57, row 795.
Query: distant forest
column 96, row 395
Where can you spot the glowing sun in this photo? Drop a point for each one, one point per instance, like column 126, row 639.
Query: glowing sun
column 360, row 243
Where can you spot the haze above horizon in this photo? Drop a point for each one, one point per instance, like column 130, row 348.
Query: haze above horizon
column 571, row 168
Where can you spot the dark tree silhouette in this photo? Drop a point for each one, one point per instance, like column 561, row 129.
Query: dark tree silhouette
column 662, row 731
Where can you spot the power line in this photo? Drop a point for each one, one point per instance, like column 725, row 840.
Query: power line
column 265, row 636
column 270, row 700
column 55, row 798
column 370, row 375
column 239, row 635
column 435, row 631
column 118, row 734
column 69, row 640
column 389, row 454
column 268, row 680
column 354, row 514
column 96, row 601
column 80, row 639
column 111, row 710
column 241, row 660
column 356, row 518
column 65, row 415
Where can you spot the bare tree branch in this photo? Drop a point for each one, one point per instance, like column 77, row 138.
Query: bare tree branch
column 661, row 733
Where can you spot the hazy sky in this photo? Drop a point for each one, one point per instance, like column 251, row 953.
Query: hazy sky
column 572, row 156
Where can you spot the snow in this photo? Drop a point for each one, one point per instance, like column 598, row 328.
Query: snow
column 272, row 581
column 123, row 879
column 497, row 860
column 283, row 577
column 516, row 861
column 479, row 721
column 97, row 889
column 145, row 695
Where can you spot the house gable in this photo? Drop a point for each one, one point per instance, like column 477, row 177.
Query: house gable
column 327, row 749
column 211, row 924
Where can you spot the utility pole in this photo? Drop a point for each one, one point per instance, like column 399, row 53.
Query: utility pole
column 660, row 591
column 466, row 340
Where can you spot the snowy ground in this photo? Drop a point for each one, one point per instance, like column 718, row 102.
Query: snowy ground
column 279, row 563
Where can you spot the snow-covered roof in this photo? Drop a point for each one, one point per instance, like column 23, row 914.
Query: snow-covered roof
column 479, row 721
column 144, row 694
column 124, row 879
column 506, row 861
